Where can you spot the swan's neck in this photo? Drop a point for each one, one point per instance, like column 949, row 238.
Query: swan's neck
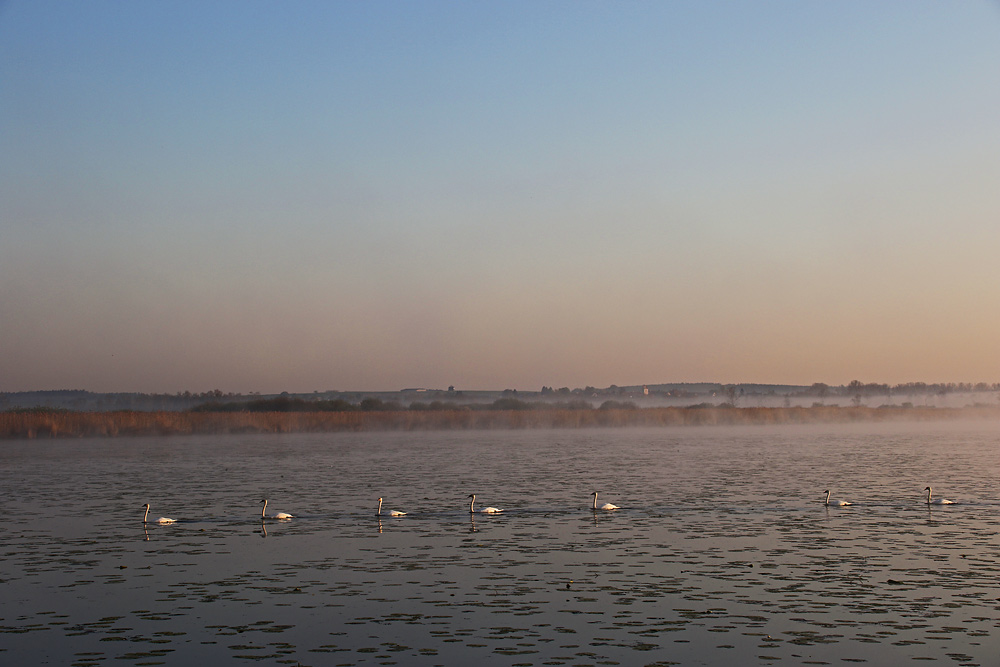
column 263, row 509
column 928, row 494
column 827, row 497
column 595, row 501
column 472, row 504
column 379, row 507
column 146, row 515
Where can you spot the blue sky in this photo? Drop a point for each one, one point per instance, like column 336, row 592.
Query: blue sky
column 373, row 195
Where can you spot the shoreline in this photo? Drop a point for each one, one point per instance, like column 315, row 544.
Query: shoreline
column 61, row 424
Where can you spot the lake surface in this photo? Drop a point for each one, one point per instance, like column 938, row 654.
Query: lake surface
column 722, row 553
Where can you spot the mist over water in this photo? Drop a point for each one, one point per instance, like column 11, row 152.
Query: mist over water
column 722, row 553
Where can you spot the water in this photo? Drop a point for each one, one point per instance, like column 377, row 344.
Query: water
column 721, row 554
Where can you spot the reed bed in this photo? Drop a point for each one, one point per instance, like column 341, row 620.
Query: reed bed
column 61, row 424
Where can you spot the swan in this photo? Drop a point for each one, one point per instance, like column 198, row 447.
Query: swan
column 162, row 519
column 486, row 510
column 938, row 501
column 280, row 515
column 605, row 506
column 835, row 503
column 391, row 512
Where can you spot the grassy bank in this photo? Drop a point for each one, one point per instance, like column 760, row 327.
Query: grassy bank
column 65, row 424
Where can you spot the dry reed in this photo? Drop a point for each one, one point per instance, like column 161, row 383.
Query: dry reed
column 58, row 424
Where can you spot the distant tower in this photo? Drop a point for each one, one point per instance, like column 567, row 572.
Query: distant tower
column 645, row 390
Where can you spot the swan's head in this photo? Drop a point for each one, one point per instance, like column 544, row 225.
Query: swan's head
column 927, row 489
column 594, row 493
column 472, row 495
column 146, row 506
column 380, row 499
column 264, row 500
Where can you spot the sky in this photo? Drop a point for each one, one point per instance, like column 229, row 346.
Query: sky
column 359, row 196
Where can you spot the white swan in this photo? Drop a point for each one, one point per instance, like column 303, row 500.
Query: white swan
column 391, row 512
column 280, row 515
column 162, row 519
column 486, row 510
column 835, row 503
column 938, row 501
column 605, row 506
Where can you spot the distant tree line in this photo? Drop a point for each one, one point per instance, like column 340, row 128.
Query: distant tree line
column 858, row 388
column 279, row 404
column 295, row 404
column 612, row 397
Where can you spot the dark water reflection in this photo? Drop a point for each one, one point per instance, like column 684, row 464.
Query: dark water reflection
column 721, row 554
